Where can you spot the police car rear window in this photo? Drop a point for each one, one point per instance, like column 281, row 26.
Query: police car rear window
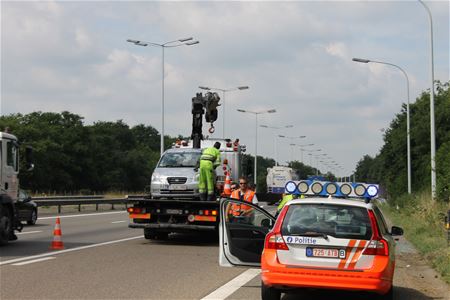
column 333, row 220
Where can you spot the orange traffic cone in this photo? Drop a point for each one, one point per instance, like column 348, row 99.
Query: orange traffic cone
column 57, row 243
column 227, row 186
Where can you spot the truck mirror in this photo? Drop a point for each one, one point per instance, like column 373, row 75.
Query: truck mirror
column 29, row 158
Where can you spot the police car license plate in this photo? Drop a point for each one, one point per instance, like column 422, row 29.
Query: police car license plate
column 325, row 252
column 177, row 187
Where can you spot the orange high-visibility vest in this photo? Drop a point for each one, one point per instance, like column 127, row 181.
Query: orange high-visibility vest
column 238, row 209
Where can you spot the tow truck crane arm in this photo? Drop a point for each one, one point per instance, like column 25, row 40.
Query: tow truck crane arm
column 203, row 105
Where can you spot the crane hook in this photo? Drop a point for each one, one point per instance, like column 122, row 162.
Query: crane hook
column 211, row 129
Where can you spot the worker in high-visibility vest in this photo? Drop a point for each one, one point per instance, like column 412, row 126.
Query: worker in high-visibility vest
column 286, row 198
column 243, row 193
column 209, row 161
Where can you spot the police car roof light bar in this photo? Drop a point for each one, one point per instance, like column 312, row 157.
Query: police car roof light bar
column 329, row 188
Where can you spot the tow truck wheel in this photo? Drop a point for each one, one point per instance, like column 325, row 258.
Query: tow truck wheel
column 152, row 235
column 269, row 293
column 6, row 229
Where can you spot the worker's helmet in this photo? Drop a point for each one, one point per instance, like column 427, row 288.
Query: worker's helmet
column 217, row 145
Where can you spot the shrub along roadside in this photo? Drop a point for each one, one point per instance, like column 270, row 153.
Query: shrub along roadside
column 423, row 222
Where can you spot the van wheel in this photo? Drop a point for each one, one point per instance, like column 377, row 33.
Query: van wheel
column 269, row 293
column 34, row 217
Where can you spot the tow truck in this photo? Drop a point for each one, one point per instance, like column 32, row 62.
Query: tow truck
column 173, row 204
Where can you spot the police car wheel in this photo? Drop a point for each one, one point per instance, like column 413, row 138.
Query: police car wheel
column 269, row 293
column 388, row 296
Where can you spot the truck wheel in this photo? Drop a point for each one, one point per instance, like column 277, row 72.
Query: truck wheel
column 6, row 228
column 34, row 217
column 149, row 235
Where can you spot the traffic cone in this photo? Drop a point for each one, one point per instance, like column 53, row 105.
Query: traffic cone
column 57, row 243
column 227, row 186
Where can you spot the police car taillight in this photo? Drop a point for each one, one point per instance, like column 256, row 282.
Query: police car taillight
column 275, row 241
column 378, row 245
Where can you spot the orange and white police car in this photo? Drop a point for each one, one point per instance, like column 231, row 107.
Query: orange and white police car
column 335, row 238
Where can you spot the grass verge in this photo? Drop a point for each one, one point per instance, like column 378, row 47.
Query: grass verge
column 423, row 222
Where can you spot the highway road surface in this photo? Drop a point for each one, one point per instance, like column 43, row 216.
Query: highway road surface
column 104, row 259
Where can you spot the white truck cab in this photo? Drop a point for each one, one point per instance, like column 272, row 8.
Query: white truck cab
column 9, row 185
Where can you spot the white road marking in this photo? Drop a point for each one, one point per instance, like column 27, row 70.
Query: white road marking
column 28, row 232
column 233, row 285
column 84, row 215
column 115, row 222
column 68, row 250
column 33, row 261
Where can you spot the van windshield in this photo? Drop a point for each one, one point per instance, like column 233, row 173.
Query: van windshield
column 180, row 160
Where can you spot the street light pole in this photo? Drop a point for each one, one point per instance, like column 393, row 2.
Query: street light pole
column 170, row 44
column 408, row 138
column 432, row 124
column 256, row 113
column 223, row 100
column 275, row 139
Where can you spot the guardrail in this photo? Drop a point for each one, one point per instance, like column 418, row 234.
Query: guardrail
column 79, row 200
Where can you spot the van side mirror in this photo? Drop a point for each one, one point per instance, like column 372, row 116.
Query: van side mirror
column 396, row 230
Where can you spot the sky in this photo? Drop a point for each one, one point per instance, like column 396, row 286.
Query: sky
column 295, row 57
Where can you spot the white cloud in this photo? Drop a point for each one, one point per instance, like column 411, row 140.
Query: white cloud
column 295, row 56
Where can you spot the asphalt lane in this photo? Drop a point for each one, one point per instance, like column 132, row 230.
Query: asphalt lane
column 184, row 267
column 77, row 230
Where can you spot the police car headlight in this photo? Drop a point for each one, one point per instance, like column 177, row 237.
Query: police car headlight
column 303, row 187
column 317, row 188
column 346, row 189
column 360, row 190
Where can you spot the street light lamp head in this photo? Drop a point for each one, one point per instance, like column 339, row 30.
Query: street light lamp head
column 271, row 111
column 204, row 88
column 243, row 87
column 192, row 43
column 241, row 110
column 132, row 41
column 185, row 39
column 361, row 60
column 288, row 126
column 264, row 126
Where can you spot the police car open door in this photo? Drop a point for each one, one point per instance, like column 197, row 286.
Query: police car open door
column 242, row 230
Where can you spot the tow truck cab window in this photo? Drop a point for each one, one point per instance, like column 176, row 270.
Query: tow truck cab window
column 349, row 222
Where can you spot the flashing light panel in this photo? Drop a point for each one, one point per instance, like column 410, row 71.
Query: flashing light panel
column 331, row 188
column 346, row 189
column 303, row 187
column 328, row 188
column 372, row 190
column 291, row 187
column 316, row 188
column 360, row 190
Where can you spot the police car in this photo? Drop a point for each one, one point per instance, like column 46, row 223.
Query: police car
column 335, row 238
